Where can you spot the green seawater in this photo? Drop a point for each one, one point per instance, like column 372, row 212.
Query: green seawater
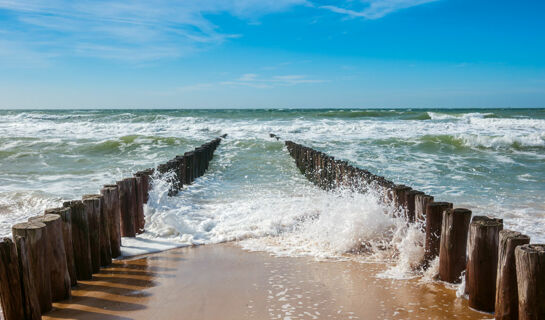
column 489, row 160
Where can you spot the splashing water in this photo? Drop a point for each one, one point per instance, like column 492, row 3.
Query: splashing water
column 490, row 161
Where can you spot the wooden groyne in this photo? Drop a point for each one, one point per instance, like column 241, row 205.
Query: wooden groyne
column 504, row 274
column 50, row 253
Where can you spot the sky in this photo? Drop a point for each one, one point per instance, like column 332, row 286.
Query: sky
column 272, row 53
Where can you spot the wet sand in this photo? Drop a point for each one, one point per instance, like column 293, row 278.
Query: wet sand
column 226, row 282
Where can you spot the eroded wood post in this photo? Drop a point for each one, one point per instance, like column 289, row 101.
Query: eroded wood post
column 93, row 207
column 110, row 208
column 506, row 304
column 11, row 292
column 56, row 257
column 399, row 196
column 35, row 235
column 482, row 262
column 410, row 204
column 530, row 264
column 127, row 204
column 31, row 302
column 81, row 240
column 421, row 201
column 66, row 217
column 103, row 230
column 452, row 252
column 434, row 221
column 141, row 188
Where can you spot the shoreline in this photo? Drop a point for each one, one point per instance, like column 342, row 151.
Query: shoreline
column 223, row 281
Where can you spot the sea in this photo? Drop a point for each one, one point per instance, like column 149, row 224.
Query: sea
column 491, row 161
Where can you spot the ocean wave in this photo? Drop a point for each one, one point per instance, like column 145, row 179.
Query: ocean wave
column 516, row 142
column 358, row 113
column 459, row 116
column 18, row 206
column 534, row 141
column 274, row 209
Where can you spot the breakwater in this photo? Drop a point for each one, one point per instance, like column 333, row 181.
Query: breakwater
column 503, row 273
column 50, row 253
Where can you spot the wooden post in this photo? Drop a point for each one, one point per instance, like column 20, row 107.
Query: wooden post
column 66, row 217
column 110, row 208
column 92, row 210
column 410, row 204
column 482, row 262
column 506, row 307
column 31, row 302
column 141, row 186
column 434, row 221
column 452, row 252
column 530, row 264
column 105, row 250
column 81, row 240
column 145, row 181
column 127, row 204
column 194, row 164
column 421, row 203
column 399, row 193
column 189, row 164
column 56, row 257
column 11, row 292
column 35, row 235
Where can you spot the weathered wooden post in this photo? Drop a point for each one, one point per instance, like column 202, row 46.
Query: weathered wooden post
column 35, row 235
column 127, row 204
column 410, row 204
column 506, row 306
column 110, row 208
column 452, row 252
column 482, row 262
column 434, row 221
column 66, row 217
column 195, row 163
column 31, row 302
column 149, row 173
column 93, row 207
column 11, row 291
column 56, row 256
column 399, row 196
column 421, row 202
column 141, row 191
column 189, row 161
column 81, row 240
column 104, row 233
column 530, row 264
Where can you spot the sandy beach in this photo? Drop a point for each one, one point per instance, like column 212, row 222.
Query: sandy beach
column 226, row 282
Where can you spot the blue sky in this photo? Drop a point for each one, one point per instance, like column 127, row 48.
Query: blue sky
column 271, row 53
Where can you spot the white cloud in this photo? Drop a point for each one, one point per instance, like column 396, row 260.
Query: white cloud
column 255, row 81
column 146, row 30
column 127, row 29
column 375, row 9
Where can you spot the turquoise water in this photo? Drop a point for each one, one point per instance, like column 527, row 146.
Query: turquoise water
column 490, row 160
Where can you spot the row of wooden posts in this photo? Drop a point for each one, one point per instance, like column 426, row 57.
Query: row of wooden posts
column 504, row 274
column 50, row 253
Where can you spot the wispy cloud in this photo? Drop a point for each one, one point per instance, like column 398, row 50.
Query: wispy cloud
column 127, row 29
column 143, row 30
column 373, row 9
column 255, row 81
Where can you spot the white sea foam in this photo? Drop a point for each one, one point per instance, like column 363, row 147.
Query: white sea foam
column 253, row 192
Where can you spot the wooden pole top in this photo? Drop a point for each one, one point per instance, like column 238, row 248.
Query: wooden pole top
column 484, row 221
column 513, row 234
column 91, row 196
column 538, row 249
column 31, row 225
column 58, row 210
